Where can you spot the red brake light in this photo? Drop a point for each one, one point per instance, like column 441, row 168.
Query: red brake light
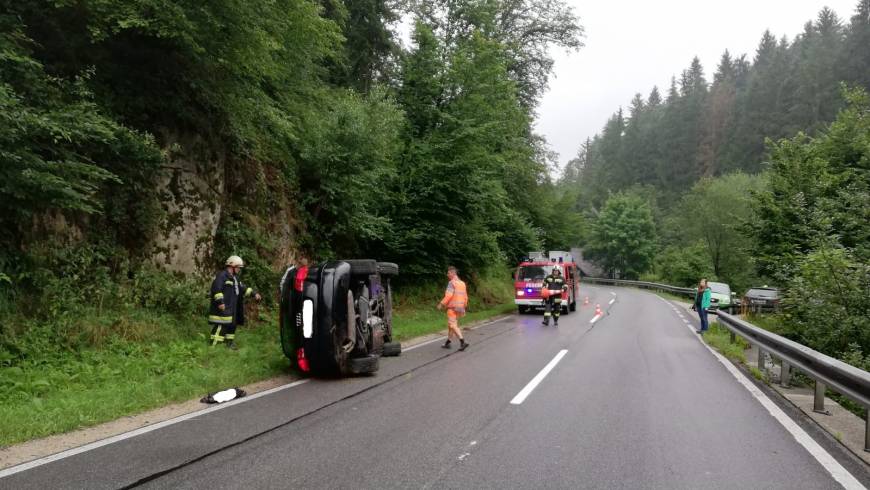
column 301, row 360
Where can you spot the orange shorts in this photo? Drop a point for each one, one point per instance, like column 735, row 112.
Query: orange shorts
column 453, row 317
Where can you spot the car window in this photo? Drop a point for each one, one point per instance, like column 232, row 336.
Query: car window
column 720, row 288
column 534, row 272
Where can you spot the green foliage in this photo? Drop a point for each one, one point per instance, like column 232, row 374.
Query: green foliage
column 683, row 265
column 57, row 147
column 827, row 302
column 623, row 236
column 712, row 217
column 819, row 190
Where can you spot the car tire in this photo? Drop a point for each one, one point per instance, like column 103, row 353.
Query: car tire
column 388, row 269
column 392, row 349
column 363, row 365
column 362, row 266
column 388, row 312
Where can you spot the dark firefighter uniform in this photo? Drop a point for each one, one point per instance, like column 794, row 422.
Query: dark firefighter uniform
column 227, row 290
column 555, row 284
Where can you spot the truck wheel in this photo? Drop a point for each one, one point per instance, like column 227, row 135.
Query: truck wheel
column 522, row 310
column 362, row 266
column 573, row 306
column 392, row 349
column 388, row 269
column 363, row 365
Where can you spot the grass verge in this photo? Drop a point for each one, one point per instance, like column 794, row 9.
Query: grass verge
column 166, row 359
column 719, row 338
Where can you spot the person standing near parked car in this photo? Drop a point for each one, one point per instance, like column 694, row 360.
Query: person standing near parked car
column 702, row 304
column 455, row 300
column 228, row 303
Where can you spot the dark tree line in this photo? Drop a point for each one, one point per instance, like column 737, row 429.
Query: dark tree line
column 705, row 128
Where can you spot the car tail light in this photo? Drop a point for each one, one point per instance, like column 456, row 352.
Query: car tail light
column 301, row 360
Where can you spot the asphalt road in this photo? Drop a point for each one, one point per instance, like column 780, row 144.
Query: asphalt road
column 634, row 401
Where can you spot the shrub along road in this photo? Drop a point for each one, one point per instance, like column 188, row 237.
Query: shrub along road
column 633, row 401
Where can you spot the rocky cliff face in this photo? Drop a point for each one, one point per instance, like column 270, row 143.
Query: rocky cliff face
column 191, row 191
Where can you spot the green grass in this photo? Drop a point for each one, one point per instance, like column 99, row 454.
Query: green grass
column 138, row 360
column 99, row 385
column 719, row 338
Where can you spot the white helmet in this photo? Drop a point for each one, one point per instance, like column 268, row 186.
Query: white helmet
column 235, row 261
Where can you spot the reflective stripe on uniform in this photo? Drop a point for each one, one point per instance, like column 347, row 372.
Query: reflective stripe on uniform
column 230, row 336
column 220, row 319
column 229, row 283
column 219, row 296
column 216, row 336
column 248, row 292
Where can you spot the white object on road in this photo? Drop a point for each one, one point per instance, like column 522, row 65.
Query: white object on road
column 525, row 392
column 595, row 318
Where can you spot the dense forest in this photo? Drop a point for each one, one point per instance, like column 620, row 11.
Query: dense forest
column 168, row 134
column 760, row 176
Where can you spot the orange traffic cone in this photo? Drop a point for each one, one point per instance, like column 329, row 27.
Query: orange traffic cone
column 598, row 310
column 586, row 301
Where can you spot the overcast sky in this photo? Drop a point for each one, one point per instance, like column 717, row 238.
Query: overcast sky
column 631, row 46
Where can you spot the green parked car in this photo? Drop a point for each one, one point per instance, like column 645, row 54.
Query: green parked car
column 721, row 296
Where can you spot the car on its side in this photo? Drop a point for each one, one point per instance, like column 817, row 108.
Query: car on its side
column 762, row 298
column 341, row 322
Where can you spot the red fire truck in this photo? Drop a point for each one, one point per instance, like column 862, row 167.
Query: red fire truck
column 530, row 274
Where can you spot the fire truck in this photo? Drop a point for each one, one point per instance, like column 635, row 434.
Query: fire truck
column 530, row 274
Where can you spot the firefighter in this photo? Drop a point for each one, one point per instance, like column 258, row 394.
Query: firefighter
column 455, row 300
column 552, row 290
column 228, row 303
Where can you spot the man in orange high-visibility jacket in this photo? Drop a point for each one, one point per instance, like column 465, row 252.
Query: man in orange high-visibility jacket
column 455, row 300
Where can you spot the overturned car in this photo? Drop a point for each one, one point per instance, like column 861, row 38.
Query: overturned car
column 338, row 320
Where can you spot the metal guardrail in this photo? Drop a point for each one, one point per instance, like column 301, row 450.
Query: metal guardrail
column 824, row 370
column 642, row 285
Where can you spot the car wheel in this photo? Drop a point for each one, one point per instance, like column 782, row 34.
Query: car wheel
column 362, row 266
column 392, row 349
column 363, row 365
column 388, row 312
column 388, row 269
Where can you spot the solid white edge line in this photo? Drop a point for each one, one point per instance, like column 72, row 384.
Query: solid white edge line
column 142, row 430
column 527, row 390
column 181, row 418
column 831, row 465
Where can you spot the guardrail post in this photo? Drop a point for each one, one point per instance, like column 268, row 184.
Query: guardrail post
column 785, row 374
column 867, row 433
column 733, row 337
column 760, row 363
column 819, row 399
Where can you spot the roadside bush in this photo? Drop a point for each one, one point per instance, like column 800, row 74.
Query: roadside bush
column 169, row 293
column 826, row 303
